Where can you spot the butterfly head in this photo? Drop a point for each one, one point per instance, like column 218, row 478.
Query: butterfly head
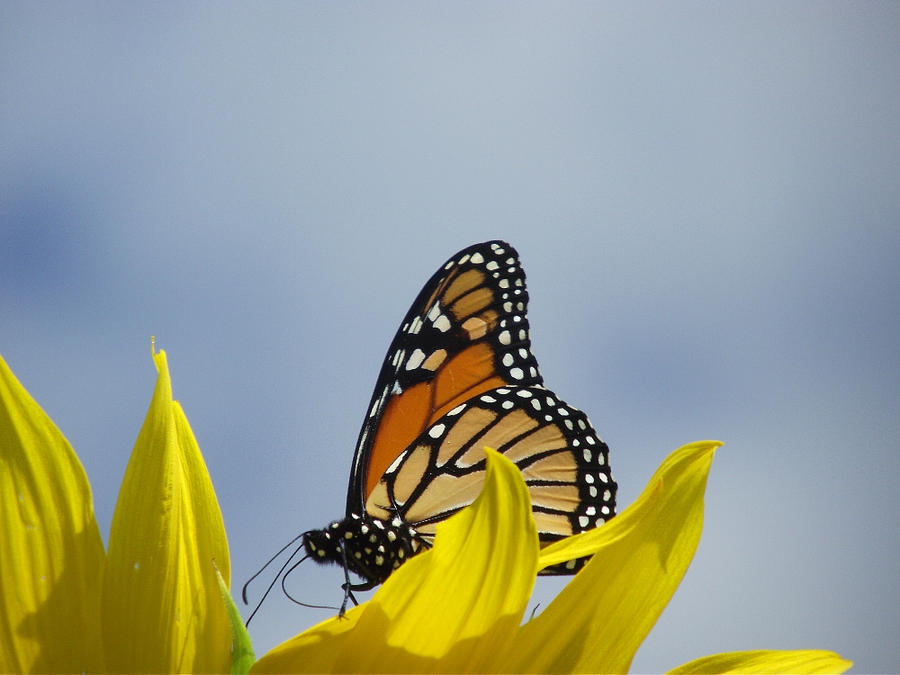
column 369, row 547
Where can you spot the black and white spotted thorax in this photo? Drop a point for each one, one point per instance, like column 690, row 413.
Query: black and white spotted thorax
column 369, row 547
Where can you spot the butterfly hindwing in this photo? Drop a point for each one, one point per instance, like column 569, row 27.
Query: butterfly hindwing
column 466, row 333
column 563, row 461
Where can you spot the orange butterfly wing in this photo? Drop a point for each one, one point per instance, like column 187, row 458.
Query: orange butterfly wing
column 465, row 334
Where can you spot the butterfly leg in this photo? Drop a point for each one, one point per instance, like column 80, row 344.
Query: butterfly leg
column 348, row 587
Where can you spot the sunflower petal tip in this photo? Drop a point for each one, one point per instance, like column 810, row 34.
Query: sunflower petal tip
column 159, row 357
column 699, row 449
column 708, row 445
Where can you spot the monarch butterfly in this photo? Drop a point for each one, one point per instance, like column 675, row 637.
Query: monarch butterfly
column 458, row 376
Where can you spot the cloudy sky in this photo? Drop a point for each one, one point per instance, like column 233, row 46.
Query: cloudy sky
column 704, row 197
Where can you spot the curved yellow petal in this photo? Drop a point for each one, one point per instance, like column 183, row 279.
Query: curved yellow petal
column 51, row 554
column 588, row 543
column 600, row 619
column 450, row 609
column 161, row 606
column 314, row 650
column 768, row 661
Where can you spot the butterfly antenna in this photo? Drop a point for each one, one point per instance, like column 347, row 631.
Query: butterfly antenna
column 277, row 576
column 269, row 562
column 291, row 597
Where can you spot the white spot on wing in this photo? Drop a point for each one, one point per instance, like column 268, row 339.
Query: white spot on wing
column 393, row 467
column 415, row 359
column 442, row 323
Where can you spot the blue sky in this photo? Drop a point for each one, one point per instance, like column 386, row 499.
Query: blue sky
column 704, row 197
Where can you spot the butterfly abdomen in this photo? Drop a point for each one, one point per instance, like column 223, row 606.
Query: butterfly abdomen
column 369, row 547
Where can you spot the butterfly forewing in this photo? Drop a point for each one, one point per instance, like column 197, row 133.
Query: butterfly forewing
column 465, row 334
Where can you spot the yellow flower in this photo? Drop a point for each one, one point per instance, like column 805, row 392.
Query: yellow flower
column 458, row 607
column 158, row 601
column 153, row 603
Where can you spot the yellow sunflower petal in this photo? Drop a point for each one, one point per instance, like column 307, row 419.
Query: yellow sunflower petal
column 600, row 619
column 51, row 553
column 161, row 609
column 588, row 543
column 314, row 650
column 448, row 609
column 768, row 661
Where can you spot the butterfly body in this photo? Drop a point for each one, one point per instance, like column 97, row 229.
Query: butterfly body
column 459, row 376
column 369, row 547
